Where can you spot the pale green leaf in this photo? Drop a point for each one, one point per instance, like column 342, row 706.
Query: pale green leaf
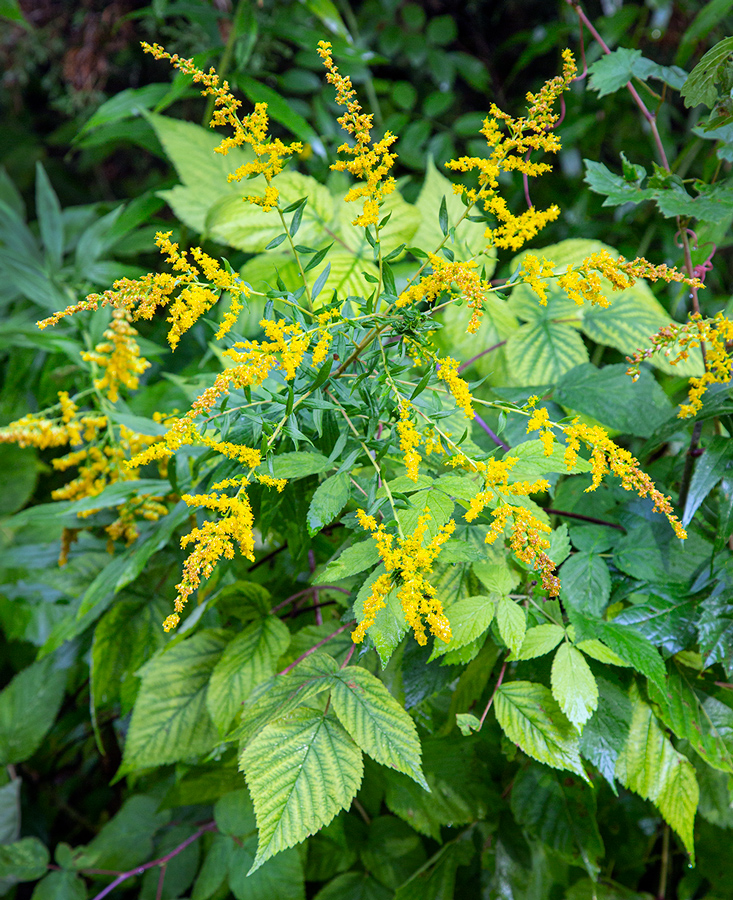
column 299, row 464
column 247, row 661
column 598, row 650
column 532, row 461
column 378, row 724
column 284, row 693
column 390, row 625
column 512, row 621
column 539, row 640
column 170, row 721
column 530, row 717
column 329, row 499
column 353, row 560
column 573, row 685
column 300, row 772
column 469, row 618
column 541, row 352
column 467, row 723
column 650, row 766
column 23, row 860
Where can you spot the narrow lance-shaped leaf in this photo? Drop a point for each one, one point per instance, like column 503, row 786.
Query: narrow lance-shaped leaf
column 300, row 774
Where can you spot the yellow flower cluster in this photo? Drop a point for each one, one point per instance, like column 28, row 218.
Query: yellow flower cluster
column 539, row 420
column 511, row 153
column 325, row 338
column 409, row 561
column 270, row 153
column 369, row 162
column 409, row 441
column 448, row 372
column 468, row 285
column 606, row 456
column 269, row 481
column 104, row 460
column 527, row 542
column 716, row 334
column 213, row 541
column 533, row 271
column 140, row 298
column 118, row 356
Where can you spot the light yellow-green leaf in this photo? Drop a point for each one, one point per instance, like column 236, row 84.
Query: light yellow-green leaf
column 378, row 724
column 300, row 773
column 512, row 621
column 497, row 577
column 237, row 223
column 650, row 766
column 469, row 618
column 470, row 240
column 531, row 718
column 598, row 650
column 247, row 661
column 540, row 352
column 573, row 685
column 539, row 640
column 170, row 720
column 400, row 229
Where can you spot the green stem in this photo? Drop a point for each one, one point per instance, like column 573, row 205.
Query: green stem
column 296, row 255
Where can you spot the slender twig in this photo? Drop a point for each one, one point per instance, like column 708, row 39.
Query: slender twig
column 591, row 519
column 492, row 434
column 493, row 694
column 347, row 658
column 267, row 557
column 664, row 869
column 308, row 590
column 316, row 606
column 162, row 861
column 473, row 359
column 316, row 647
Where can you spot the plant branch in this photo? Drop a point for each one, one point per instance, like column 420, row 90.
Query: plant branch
column 162, row 861
column 313, row 650
column 493, row 694
column 591, row 519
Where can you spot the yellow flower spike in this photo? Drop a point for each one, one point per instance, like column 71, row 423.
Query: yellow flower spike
column 408, row 564
column 465, row 277
column 540, row 421
column 448, row 372
column 118, row 356
column 371, row 163
column 606, row 456
column 409, row 441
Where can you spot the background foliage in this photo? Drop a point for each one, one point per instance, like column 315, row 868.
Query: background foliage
column 100, row 150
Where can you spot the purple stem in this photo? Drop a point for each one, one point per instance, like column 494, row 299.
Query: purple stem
column 312, row 650
column 163, row 861
column 308, row 590
column 492, row 434
column 479, row 355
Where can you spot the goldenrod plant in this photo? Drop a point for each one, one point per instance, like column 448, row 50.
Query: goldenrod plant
column 417, row 460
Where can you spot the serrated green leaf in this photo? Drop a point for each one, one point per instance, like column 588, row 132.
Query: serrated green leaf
column 616, row 189
column 24, row 860
column 613, row 70
column 469, row 618
column 390, row 625
column 650, row 766
column 709, row 469
column 586, row 582
column 247, row 661
column 532, row 461
column 170, row 721
column 353, row 560
column 695, row 716
column 561, row 812
column 512, row 621
column 597, row 650
column 299, row 464
column 538, row 641
column 329, row 499
column 378, row 724
column 605, row 733
column 281, row 877
column 284, row 693
column 300, row 774
column 467, row 723
column 541, row 352
column 573, row 685
column 531, row 718
column 627, row 643
column 28, row 708
column 700, row 85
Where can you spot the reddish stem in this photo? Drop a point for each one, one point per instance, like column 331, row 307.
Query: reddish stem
column 308, row 590
column 493, row 694
column 314, row 648
column 162, row 861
